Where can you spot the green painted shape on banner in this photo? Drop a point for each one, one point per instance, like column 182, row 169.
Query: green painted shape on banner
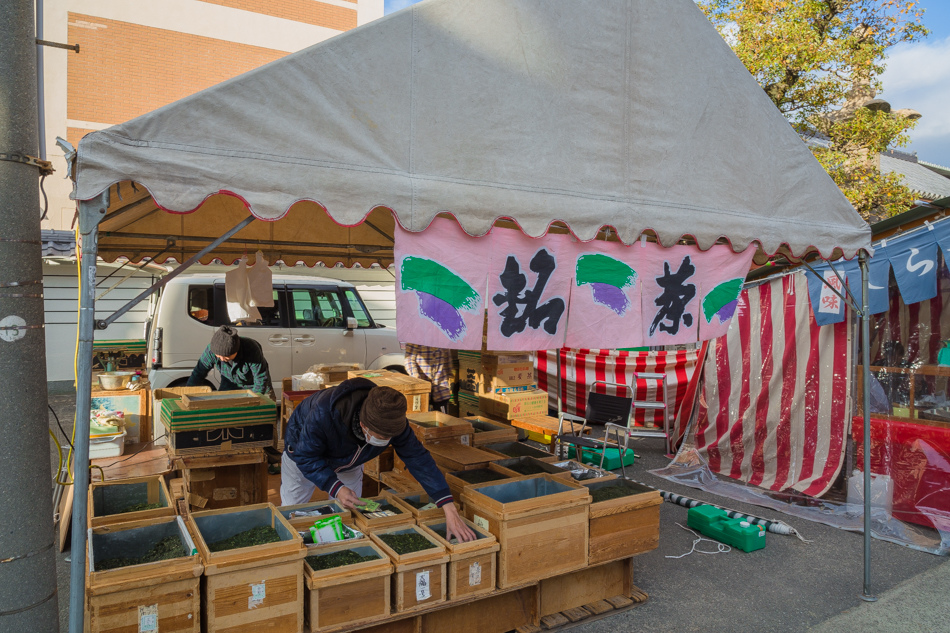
column 724, row 293
column 595, row 268
column 425, row 275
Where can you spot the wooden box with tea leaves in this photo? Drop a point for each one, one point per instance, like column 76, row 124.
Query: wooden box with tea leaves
column 128, row 500
column 524, row 466
column 473, row 565
column 488, row 431
column 400, row 481
column 253, row 580
column 624, row 520
column 461, row 479
column 434, row 426
column 302, row 516
column 450, row 456
column 347, row 584
column 366, row 522
column 143, row 577
column 413, row 503
column 419, row 560
column 540, row 522
column 518, row 449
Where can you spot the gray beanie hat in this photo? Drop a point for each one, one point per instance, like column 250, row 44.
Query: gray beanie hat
column 225, row 341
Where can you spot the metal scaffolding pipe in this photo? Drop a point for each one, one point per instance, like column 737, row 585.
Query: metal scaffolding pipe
column 866, row 594
column 90, row 214
column 28, row 600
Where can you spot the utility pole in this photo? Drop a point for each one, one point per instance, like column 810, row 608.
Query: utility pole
column 28, row 599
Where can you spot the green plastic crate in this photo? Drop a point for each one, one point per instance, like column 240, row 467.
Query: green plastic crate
column 611, row 461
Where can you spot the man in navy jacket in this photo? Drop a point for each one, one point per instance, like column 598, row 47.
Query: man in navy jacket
column 331, row 434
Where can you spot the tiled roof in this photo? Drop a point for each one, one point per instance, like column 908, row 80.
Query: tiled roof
column 58, row 243
column 919, row 179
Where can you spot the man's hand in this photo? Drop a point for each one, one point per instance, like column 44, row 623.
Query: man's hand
column 454, row 526
column 347, row 497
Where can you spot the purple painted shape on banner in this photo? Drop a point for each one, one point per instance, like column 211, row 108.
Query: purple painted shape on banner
column 611, row 296
column 725, row 312
column 442, row 314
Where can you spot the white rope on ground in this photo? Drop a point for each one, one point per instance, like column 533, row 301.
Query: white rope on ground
column 721, row 548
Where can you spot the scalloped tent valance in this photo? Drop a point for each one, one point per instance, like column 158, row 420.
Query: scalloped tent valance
column 589, row 112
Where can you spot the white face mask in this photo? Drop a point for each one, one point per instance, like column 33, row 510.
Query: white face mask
column 374, row 441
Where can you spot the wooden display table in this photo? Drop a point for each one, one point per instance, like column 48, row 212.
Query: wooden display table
column 543, row 428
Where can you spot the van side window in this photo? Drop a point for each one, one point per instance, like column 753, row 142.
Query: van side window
column 316, row 308
column 357, row 307
column 270, row 317
column 201, row 303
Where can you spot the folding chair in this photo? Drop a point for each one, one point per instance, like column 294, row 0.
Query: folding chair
column 603, row 410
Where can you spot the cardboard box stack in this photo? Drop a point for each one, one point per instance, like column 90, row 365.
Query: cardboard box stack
column 501, row 385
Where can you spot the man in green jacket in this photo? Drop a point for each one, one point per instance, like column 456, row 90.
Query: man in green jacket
column 238, row 359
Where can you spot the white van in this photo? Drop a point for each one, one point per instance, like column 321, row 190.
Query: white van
column 314, row 320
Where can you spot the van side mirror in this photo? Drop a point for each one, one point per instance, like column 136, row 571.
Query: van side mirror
column 351, row 323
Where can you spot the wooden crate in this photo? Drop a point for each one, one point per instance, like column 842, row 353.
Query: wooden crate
column 450, row 456
column 164, row 595
column 207, row 411
column 540, row 522
column 416, row 390
column 518, row 449
column 586, row 586
column 419, row 578
column 400, row 481
column 498, row 613
column 461, row 479
column 382, row 464
column 370, row 524
column 419, row 516
column 251, row 588
column 523, row 466
column 351, row 595
column 488, row 431
column 304, row 523
column 472, row 566
column 225, row 481
column 108, row 499
column 602, row 474
column 219, row 441
column 155, row 409
column 626, row 526
column 434, row 426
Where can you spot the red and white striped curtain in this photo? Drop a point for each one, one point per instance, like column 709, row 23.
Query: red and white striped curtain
column 580, row 368
column 776, row 400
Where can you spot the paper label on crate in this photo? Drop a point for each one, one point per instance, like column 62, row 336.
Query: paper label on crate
column 258, row 593
column 423, row 590
column 148, row 618
column 480, row 522
column 417, row 403
column 474, row 574
column 464, row 440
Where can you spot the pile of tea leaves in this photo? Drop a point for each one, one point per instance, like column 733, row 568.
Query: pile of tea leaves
column 319, row 562
column 138, row 507
column 478, row 476
column 260, row 535
column 415, row 502
column 526, row 468
column 407, row 543
column 167, row 548
column 605, row 493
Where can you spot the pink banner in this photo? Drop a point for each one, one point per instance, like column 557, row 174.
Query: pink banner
column 440, row 286
column 555, row 291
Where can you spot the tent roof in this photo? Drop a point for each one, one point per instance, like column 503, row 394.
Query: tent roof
column 633, row 114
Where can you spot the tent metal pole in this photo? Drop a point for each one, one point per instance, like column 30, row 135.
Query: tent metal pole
column 866, row 406
column 91, row 213
column 104, row 323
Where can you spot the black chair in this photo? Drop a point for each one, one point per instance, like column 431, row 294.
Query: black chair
column 603, row 411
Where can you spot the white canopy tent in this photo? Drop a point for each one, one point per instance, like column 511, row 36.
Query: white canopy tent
column 630, row 114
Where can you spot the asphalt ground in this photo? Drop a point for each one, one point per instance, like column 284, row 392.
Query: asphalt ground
column 789, row 586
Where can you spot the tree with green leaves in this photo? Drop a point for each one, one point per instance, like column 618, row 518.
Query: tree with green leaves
column 820, row 62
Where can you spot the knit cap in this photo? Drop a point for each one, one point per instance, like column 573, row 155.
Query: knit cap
column 384, row 412
column 225, row 341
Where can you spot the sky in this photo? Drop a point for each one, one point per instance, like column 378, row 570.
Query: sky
column 917, row 77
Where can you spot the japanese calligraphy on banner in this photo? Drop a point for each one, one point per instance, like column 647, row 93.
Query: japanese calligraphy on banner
column 556, row 291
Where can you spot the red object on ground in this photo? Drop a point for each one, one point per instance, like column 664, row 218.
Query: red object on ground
column 917, row 458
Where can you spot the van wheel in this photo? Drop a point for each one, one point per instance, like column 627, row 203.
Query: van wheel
column 183, row 382
column 397, row 368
